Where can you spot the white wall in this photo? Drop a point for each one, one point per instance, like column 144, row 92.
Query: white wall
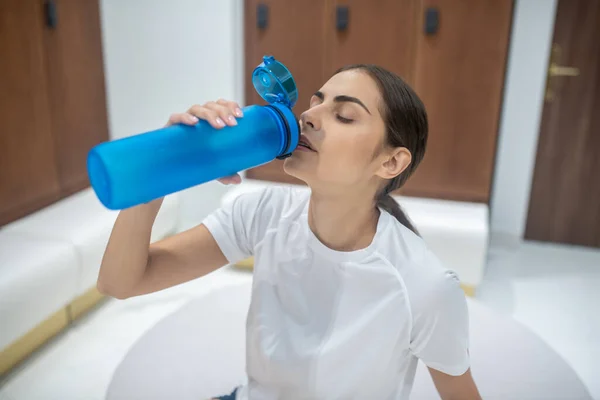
column 162, row 57
column 531, row 39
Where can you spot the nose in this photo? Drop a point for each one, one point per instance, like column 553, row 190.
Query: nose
column 309, row 121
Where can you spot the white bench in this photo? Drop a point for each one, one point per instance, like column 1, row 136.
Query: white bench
column 457, row 232
column 49, row 264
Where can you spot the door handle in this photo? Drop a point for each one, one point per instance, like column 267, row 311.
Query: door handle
column 342, row 18
column 262, row 16
column 559, row 70
column 51, row 14
column 432, row 21
column 555, row 70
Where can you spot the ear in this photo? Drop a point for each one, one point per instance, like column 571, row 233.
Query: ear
column 394, row 163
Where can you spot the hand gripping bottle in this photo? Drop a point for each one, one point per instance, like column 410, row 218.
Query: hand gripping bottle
column 144, row 167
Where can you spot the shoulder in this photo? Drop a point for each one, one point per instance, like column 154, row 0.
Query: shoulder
column 432, row 286
column 248, row 212
column 435, row 295
column 427, row 281
column 268, row 202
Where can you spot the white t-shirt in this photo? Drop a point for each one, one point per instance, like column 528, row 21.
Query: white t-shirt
column 325, row 324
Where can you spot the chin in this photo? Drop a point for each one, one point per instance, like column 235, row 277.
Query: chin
column 298, row 168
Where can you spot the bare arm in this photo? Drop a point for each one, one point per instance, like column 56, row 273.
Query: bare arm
column 131, row 266
column 455, row 387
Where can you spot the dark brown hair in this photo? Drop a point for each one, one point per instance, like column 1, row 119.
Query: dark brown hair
column 406, row 125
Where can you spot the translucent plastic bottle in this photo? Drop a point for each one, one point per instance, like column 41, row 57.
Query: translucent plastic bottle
column 144, row 167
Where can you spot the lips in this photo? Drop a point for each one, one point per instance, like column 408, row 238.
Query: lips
column 305, row 143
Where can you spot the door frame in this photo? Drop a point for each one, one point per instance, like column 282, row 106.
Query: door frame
column 523, row 102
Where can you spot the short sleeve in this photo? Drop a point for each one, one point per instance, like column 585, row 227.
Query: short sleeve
column 440, row 333
column 234, row 225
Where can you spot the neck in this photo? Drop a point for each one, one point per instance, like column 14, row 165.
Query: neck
column 343, row 222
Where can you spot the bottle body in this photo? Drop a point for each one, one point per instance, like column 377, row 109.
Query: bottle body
column 141, row 168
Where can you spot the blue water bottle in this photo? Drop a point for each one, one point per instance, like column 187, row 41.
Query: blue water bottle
column 144, row 167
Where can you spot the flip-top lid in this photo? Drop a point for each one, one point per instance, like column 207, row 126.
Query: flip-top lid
column 274, row 82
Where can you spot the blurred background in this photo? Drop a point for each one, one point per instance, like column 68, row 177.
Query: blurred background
column 508, row 194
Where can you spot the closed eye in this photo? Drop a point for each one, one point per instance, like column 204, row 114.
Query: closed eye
column 344, row 120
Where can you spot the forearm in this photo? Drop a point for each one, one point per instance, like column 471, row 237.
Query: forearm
column 178, row 259
column 450, row 387
column 126, row 257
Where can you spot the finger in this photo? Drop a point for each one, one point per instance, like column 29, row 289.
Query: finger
column 236, row 179
column 182, row 118
column 224, row 112
column 226, row 181
column 231, row 180
column 208, row 115
column 233, row 107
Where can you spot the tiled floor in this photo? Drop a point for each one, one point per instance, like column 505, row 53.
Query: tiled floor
column 553, row 290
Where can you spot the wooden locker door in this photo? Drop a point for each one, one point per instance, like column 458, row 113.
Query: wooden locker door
column 77, row 93
column 378, row 32
column 28, row 177
column 459, row 74
column 293, row 32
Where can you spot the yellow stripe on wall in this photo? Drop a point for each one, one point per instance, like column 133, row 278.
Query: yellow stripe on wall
column 25, row 345
column 21, row 348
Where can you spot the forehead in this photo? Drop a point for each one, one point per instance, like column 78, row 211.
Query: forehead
column 354, row 83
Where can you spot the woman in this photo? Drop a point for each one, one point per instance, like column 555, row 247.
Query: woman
column 346, row 297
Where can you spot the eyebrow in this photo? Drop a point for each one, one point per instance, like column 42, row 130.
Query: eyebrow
column 342, row 99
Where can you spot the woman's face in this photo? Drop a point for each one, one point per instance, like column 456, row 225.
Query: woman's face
column 345, row 131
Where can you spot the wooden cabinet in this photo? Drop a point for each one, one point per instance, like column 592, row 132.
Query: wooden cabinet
column 295, row 30
column 459, row 75
column 28, row 171
column 77, row 94
column 379, row 32
column 456, row 66
column 52, row 101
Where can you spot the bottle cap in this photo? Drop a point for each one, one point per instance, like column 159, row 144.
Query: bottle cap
column 274, row 82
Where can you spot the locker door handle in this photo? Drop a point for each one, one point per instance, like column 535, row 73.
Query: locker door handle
column 342, row 18
column 51, row 14
column 432, row 21
column 262, row 16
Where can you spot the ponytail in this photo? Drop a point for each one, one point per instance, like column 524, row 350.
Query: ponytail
column 406, row 126
column 387, row 203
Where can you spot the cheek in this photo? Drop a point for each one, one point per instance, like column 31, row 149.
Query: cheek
column 346, row 158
